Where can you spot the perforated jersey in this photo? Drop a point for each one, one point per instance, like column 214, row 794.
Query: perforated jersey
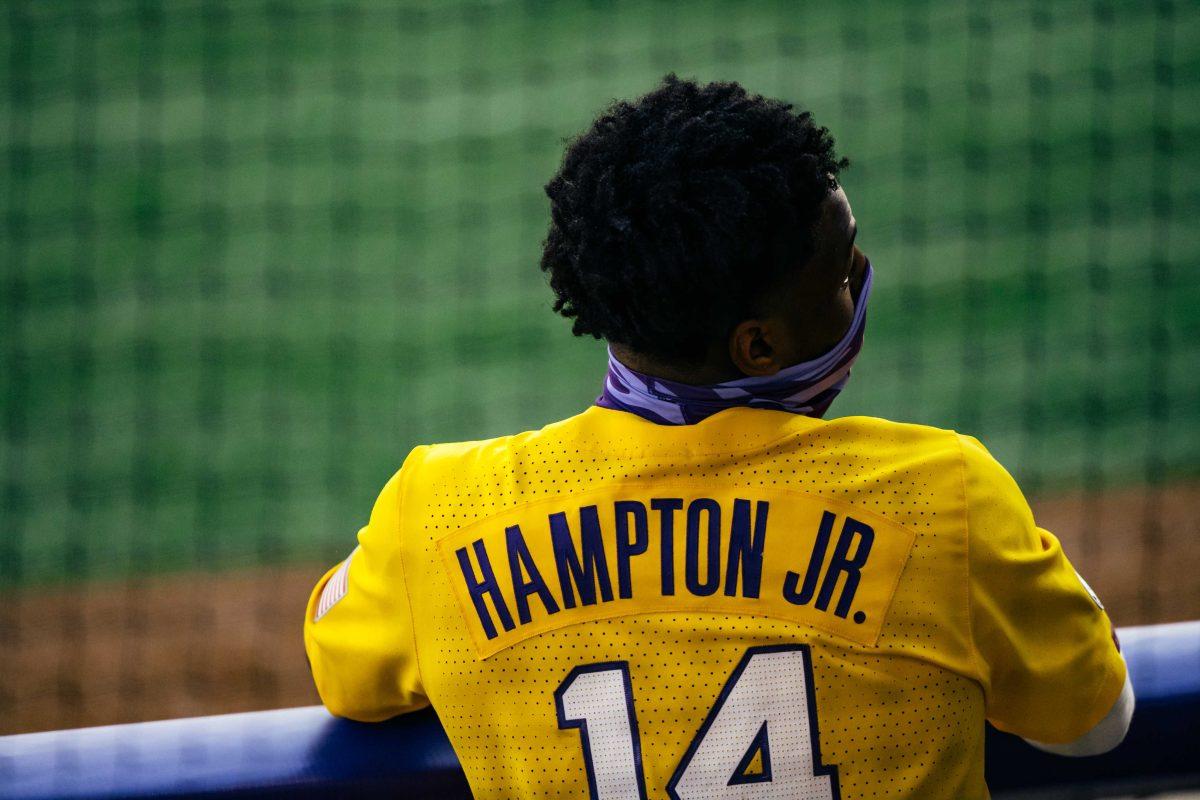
column 759, row 605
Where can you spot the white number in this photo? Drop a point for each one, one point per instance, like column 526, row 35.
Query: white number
column 766, row 707
column 598, row 699
column 765, row 712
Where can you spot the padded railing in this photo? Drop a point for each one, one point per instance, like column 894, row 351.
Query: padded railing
column 304, row 752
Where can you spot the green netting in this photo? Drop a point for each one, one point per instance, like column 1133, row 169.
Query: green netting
column 253, row 252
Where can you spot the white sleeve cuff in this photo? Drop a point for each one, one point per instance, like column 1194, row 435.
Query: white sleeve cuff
column 1108, row 733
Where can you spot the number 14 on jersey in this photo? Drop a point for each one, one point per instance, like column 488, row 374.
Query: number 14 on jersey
column 765, row 715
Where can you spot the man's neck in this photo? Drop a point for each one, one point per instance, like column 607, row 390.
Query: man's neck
column 706, row 373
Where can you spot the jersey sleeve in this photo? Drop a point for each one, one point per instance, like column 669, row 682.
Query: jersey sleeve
column 1044, row 647
column 358, row 629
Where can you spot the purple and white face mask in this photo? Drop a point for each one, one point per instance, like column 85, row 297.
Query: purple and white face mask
column 807, row 388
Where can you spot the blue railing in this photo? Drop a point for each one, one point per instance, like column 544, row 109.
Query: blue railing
column 304, row 752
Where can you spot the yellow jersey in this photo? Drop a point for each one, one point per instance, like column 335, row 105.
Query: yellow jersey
column 759, row 605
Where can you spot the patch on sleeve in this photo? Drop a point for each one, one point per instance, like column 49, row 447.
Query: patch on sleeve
column 335, row 589
column 1092, row 594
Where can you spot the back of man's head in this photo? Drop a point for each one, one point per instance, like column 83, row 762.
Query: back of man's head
column 674, row 216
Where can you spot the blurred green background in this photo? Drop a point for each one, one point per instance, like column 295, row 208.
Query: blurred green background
column 253, row 252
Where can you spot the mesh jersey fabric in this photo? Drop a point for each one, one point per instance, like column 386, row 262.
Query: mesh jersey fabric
column 961, row 610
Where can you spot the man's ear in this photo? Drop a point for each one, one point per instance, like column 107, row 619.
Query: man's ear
column 752, row 349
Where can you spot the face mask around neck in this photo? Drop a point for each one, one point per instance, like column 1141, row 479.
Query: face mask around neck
column 807, row 388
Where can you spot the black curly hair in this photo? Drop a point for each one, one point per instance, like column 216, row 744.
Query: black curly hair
column 673, row 215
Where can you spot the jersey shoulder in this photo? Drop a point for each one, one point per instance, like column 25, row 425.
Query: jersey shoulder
column 865, row 425
column 595, row 430
column 899, row 444
column 461, row 455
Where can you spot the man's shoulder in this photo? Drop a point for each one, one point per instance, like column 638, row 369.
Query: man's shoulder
column 886, row 433
column 592, row 422
column 880, row 439
column 907, row 445
column 464, row 453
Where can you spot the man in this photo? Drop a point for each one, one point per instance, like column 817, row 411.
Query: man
column 697, row 588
